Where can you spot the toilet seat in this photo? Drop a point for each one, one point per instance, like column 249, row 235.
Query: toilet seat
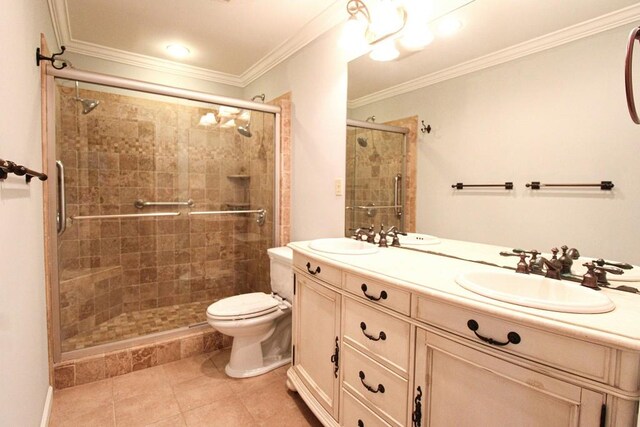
column 244, row 306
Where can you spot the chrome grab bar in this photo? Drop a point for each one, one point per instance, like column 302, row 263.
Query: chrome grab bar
column 61, row 214
column 628, row 75
column 124, row 216
column 140, row 204
column 396, row 194
column 262, row 213
column 374, row 207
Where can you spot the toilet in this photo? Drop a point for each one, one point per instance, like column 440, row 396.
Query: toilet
column 259, row 323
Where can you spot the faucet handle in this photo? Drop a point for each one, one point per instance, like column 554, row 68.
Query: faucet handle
column 601, row 273
column 522, row 266
column 590, row 278
column 623, row 265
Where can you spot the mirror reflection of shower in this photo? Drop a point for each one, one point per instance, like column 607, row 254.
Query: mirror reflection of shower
column 246, row 129
column 87, row 104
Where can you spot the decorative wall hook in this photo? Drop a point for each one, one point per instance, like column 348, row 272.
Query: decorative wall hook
column 41, row 57
column 424, row 128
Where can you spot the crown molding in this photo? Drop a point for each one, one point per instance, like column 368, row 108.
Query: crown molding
column 312, row 30
column 566, row 35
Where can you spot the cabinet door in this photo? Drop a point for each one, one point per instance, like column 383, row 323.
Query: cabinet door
column 317, row 332
column 462, row 386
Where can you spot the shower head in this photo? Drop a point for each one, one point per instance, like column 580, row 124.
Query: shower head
column 87, row 104
column 245, row 130
column 362, row 141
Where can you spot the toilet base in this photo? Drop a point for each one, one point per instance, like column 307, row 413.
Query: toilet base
column 267, row 366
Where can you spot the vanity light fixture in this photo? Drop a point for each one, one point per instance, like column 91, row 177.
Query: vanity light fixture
column 178, row 50
column 382, row 26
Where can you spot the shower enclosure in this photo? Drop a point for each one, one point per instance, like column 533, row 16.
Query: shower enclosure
column 375, row 184
column 166, row 202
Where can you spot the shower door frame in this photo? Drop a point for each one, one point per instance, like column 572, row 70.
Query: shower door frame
column 392, row 129
column 51, row 210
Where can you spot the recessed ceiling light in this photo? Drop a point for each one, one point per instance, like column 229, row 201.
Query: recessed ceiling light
column 178, row 50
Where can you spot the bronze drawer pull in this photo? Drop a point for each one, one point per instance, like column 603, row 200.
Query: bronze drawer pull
column 512, row 337
column 381, row 336
column 312, row 272
column 383, row 294
column 379, row 389
column 335, row 359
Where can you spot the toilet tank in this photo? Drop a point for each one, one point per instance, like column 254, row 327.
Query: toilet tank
column 281, row 260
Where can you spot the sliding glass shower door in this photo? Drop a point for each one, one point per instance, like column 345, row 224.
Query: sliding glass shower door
column 169, row 206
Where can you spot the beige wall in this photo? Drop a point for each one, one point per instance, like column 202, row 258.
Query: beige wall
column 555, row 116
column 24, row 377
column 317, row 79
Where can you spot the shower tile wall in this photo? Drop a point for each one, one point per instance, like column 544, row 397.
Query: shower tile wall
column 132, row 148
column 370, row 176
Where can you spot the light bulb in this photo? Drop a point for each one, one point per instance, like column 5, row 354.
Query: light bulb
column 449, row 26
column 385, row 51
column 386, row 18
column 353, row 34
column 178, row 50
column 416, row 37
column 208, row 119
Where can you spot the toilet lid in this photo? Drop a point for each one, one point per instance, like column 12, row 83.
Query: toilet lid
column 243, row 306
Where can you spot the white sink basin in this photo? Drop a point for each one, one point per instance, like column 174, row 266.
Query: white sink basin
column 418, row 239
column 536, row 291
column 343, row 246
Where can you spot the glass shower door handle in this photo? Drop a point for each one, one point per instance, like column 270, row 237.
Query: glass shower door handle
column 61, row 214
column 396, row 195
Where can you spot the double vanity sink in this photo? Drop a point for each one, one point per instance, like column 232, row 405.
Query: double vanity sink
column 523, row 290
column 420, row 336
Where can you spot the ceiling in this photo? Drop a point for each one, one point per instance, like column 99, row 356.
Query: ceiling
column 231, row 41
column 236, row 41
column 494, row 31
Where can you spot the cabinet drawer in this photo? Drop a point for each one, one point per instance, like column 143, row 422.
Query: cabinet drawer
column 377, row 334
column 379, row 293
column 317, row 269
column 571, row 355
column 372, row 383
column 355, row 414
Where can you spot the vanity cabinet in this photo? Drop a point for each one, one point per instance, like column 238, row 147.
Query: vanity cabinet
column 372, row 353
column 316, row 332
column 464, row 387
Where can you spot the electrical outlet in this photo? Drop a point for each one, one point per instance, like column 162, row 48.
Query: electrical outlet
column 338, row 187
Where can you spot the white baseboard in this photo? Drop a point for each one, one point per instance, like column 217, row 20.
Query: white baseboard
column 46, row 412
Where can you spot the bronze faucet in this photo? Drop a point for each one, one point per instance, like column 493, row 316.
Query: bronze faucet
column 535, row 263
column 383, row 237
column 567, row 258
column 554, row 266
column 590, row 279
column 522, row 266
column 367, row 232
column 393, row 231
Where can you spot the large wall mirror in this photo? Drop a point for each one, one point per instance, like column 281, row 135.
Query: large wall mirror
column 524, row 92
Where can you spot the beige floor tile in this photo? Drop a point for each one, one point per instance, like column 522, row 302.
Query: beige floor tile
column 221, row 358
column 101, row 415
column 224, row 413
column 293, row 417
column 202, row 390
column 268, row 401
column 243, row 386
column 76, row 401
column 175, row 421
column 140, row 382
column 189, row 368
column 144, row 409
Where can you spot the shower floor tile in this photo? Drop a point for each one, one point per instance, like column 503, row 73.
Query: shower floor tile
column 139, row 323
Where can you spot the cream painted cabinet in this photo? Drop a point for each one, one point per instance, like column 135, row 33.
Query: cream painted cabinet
column 317, row 341
column 458, row 385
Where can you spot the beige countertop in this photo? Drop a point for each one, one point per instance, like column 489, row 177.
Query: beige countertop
column 434, row 276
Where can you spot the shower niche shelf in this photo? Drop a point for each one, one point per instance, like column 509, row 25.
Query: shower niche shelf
column 239, row 177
